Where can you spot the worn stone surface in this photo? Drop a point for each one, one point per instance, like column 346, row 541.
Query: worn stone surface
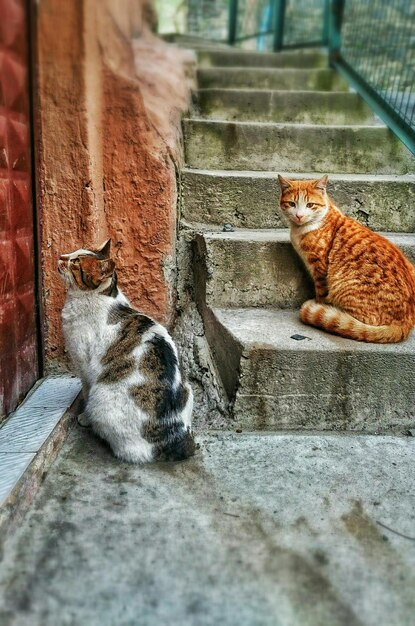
column 108, row 143
column 303, row 107
column 294, row 147
column 210, row 400
column 242, row 58
column 255, row 530
column 261, row 268
column 194, row 42
column 267, row 78
column 320, row 382
column 251, row 199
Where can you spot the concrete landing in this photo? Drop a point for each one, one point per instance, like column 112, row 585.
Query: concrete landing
column 256, row 530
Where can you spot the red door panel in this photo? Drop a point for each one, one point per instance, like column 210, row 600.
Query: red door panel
column 18, row 335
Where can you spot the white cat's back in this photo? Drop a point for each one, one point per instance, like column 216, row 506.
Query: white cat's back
column 86, row 330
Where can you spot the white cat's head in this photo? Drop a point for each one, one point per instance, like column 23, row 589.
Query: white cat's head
column 87, row 270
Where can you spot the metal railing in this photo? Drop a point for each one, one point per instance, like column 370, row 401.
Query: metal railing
column 371, row 43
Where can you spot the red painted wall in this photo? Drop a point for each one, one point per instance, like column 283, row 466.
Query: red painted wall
column 18, row 340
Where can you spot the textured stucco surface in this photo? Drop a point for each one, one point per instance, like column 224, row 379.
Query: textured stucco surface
column 109, row 95
column 255, row 530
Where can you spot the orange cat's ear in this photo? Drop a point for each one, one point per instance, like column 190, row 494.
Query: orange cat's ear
column 321, row 183
column 105, row 249
column 284, row 183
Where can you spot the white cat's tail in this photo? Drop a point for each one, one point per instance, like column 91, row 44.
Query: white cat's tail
column 339, row 322
column 176, row 441
column 177, row 445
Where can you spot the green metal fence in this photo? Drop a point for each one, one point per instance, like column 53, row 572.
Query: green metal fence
column 208, row 18
column 372, row 43
column 277, row 24
column 305, row 23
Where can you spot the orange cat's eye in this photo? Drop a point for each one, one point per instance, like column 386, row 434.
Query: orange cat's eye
column 292, row 203
column 310, row 205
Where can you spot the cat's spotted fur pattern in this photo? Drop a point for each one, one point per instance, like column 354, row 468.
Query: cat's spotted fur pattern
column 135, row 398
column 364, row 285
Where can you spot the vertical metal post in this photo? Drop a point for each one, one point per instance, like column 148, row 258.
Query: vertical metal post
column 326, row 23
column 336, row 19
column 279, row 16
column 233, row 21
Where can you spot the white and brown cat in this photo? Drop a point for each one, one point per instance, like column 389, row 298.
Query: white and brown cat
column 135, row 397
column 364, row 285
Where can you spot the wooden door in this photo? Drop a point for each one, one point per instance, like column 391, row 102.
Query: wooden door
column 18, row 327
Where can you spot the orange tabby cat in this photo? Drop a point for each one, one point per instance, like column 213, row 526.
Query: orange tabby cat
column 365, row 286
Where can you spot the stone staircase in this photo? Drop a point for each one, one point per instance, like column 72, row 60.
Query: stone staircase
column 255, row 115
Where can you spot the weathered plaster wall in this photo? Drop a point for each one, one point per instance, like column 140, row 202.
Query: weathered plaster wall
column 107, row 145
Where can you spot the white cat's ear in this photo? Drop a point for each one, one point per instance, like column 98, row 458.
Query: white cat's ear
column 322, row 183
column 105, row 249
column 284, row 183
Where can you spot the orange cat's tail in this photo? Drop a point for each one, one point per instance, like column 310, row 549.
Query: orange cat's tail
column 341, row 323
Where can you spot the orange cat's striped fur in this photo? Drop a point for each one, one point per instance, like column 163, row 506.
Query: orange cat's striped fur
column 364, row 285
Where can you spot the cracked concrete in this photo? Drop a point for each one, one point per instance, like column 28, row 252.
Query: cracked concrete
column 255, row 530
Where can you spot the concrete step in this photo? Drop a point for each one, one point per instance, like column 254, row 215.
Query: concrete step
column 303, row 107
column 250, row 199
column 322, row 382
column 294, row 147
column 244, row 58
column 194, row 41
column 270, row 78
column 260, row 268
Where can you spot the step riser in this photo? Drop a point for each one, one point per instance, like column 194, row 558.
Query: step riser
column 283, row 79
column 281, row 106
column 354, row 150
column 248, row 274
column 251, row 202
column 195, row 42
column 216, row 58
column 257, row 274
column 325, row 392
